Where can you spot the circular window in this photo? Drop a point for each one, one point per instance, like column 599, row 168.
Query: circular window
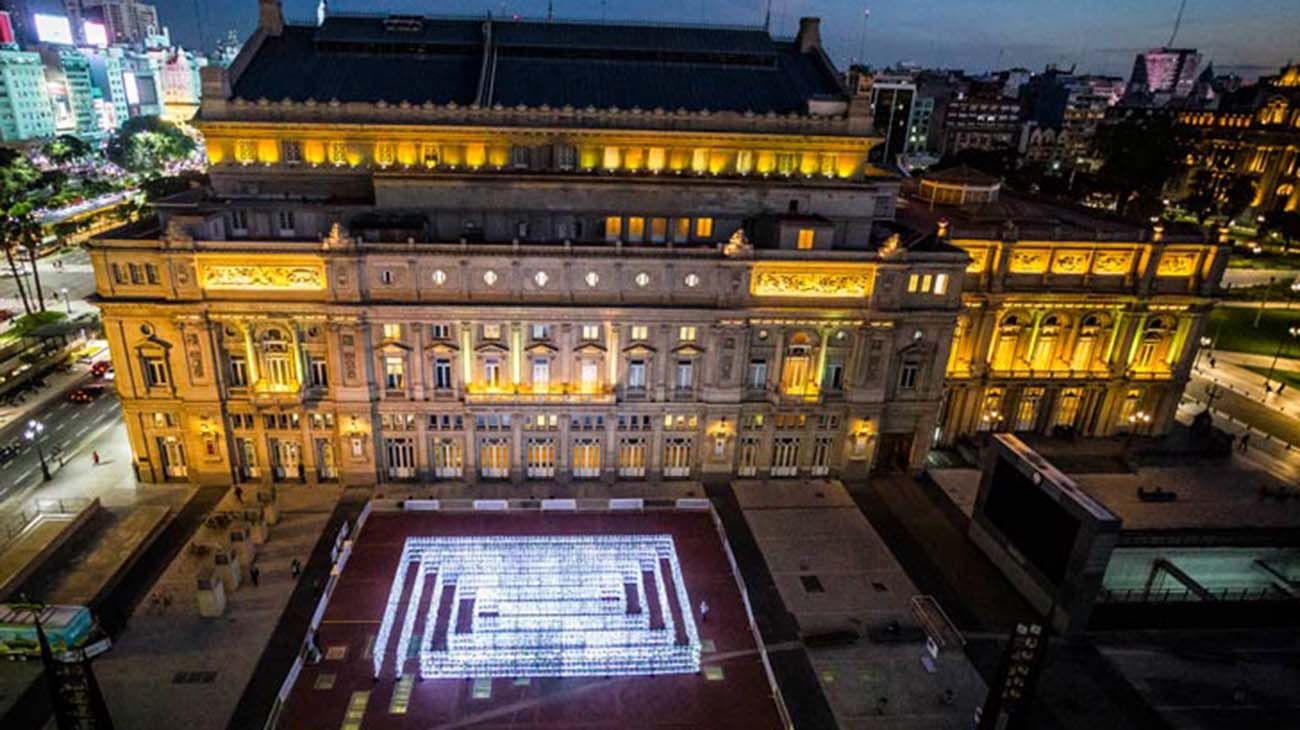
column 490, row 278
column 692, row 280
column 918, row 335
column 762, row 334
column 541, row 278
column 642, row 279
column 439, row 277
column 592, row 278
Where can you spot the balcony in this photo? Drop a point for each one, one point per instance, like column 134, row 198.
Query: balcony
column 523, row 393
column 633, row 393
column 682, row 394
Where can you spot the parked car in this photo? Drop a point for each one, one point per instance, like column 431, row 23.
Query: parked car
column 101, row 368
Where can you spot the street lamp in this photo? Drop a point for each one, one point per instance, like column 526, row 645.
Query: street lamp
column 1205, row 346
column 68, row 302
column 34, row 429
column 1294, row 331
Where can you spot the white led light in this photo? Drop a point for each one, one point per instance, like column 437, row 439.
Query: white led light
column 539, row 606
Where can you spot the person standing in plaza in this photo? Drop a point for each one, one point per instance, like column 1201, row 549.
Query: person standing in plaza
column 254, row 573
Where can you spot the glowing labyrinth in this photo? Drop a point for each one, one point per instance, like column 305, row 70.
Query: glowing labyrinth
column 545, row 606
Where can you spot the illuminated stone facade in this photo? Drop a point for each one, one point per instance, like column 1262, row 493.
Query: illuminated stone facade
column 1070, row 322
column 381, row 289
column 1253, row 135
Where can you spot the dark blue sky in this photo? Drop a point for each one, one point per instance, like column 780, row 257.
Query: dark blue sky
column 1246, row 36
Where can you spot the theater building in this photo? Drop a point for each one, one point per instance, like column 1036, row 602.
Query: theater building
column 1071, row 321
column 510, row 250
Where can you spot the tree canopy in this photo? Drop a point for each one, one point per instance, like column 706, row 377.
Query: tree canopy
column 146, row 145
column 66, row 148
column 1138, row 156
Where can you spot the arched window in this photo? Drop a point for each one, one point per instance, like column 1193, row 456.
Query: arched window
column 1154, row 345
column 796, row 369
column 1049, row 331
column 275, row 358
column 1008, row 342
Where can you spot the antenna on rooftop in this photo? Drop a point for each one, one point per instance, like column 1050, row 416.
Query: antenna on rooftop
column 1178, row 21
column 767, row 18
column 550, row 10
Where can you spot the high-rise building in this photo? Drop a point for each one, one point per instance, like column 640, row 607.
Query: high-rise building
column 70, row 88
column 126, row 21
column 25, row 110
column 574, row 262
column 1162, row 74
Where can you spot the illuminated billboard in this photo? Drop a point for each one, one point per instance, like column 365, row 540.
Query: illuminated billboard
column 95, row 34
column 53, row 29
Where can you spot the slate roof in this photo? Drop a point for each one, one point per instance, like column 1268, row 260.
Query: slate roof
column 371, row 59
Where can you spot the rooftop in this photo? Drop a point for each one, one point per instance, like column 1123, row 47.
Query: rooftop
column 478, row 62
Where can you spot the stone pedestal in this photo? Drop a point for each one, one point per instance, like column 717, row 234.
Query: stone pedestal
column 242, row 545
column 228, row 569
column 211, row 595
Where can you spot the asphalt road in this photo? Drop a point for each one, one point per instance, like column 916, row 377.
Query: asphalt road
column 67, row 425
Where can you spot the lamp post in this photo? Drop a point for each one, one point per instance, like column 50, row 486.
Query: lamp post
column 1294, row 331
column 34, row 430
column 1135, row 421
column 1205, row 346
column 1295, row 289
column 67, row 303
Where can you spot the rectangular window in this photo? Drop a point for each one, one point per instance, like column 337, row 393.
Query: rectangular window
column 155, row 371
column 291, row 151
column 319, row 373
column 940, row 284
column 541, row 374
column 686, row 334
column 151, row 273
column 590, row 376
column 913, row 282
column 806, row 236
column 685, row 374
column 636, row 374
column 441, row 332
column 491, row 331
column 541, row 332
column 395, row 372
column 834, row 379
column 640, row 333
column 285, row 220
column 442, row 374
column 591, row 332
column 613, row 228
column 118, row 277
column 566, row 157
column 238, row 372
column 703, row 227
column 658, row 230
column 926, row 282
column 392, row 331
column 492, row 372
column 907, row 376
column 239, row 222
column 135, row 273
column 635, row 228
column 758, row 373
column 681, row 229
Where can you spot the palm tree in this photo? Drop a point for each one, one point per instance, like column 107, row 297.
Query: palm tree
column 8, row 239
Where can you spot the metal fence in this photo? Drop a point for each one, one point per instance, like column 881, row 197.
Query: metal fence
column 13, row 525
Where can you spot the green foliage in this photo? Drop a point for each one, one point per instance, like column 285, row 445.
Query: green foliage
column 146, row 145
column 1233, row 329
column 162, row 187
column 1285, row 223
column 66, row 148
column 31, row 322
column 18, row 176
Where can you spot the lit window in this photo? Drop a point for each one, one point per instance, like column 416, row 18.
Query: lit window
column 658, row 230
column 640, row 333
column 392, row 331
column 642, row 279
column 806, row 236
column 591, row 332
column 541, row 332
column 439, row 277
column 613, row 228
column 491, row 331
column 490, row 277
column 926, row 281
column 611, row 158
column 940, row 283
column 492, row 372
column 681, row 229
column 913, row 282
column 541, row 278
column 635, row 228
column 686, row 334
column 395, row 372
column 703, row 227
column 692, row 280
column 592, row 278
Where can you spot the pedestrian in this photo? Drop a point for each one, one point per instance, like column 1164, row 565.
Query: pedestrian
column 704, row 611
column 1213, row 364
column 1245, row 442
column 254, row 573
column 239, row 494
column 295, row 568
column 94, row 456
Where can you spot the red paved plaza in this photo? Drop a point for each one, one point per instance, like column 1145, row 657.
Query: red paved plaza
column 324, row 692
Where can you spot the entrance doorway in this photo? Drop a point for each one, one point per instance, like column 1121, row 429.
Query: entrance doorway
column 894, row 453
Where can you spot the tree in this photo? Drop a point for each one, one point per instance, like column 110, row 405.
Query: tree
column 146, row 145
column 1236, row 197
column 8, row 239
column 28, row 232
column 1139, row 155
column 17, row 176
column 65, row 149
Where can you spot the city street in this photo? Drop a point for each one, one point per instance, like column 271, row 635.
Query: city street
column 76, row 276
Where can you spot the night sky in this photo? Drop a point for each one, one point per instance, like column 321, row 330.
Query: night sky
column 1248, row 37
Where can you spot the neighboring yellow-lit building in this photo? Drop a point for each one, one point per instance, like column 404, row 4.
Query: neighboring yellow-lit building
column 1254, row 134
column 571, row 261
column 1071, row 321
